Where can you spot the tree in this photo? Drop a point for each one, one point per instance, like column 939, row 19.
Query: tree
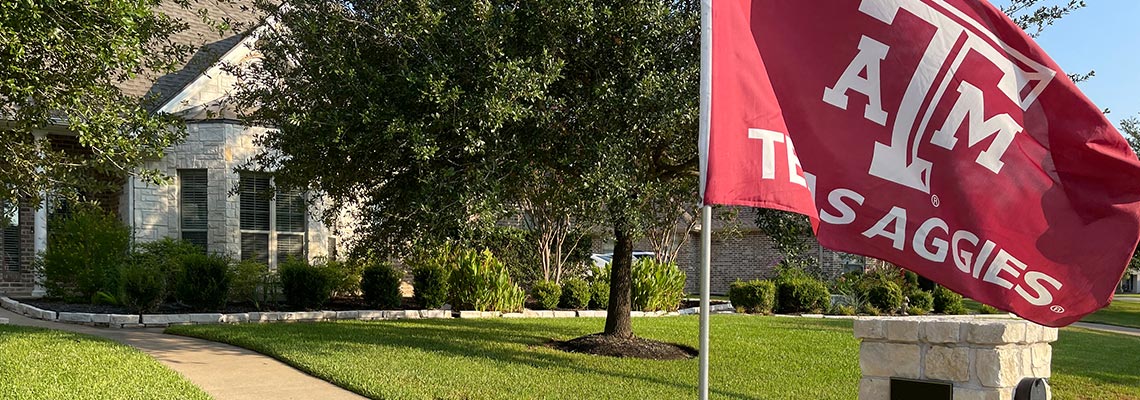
column 432, row 115
column 63, row 64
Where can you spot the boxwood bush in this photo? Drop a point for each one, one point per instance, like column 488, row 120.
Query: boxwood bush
column 546, row 294
column 380, row 285
column 430, row 283
column 305, row 286
column 575, row 294
column 801, row 295
column 948, row 302
column 921, row 299
column 886, row 296
column 204, row 283
column 142, row 285
column 755, row 296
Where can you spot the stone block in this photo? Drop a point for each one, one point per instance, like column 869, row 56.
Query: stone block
column 870, row 328
column 592, row 313
column 721, row 307
column 235, row 318
column 395, row 314
column 538, row 313
column 996, row 332
column 439, row 314
column 636, row 314
column 206, row 318
column 947, row 363
column 302, row 316
column 565, row 314
column 124, row 319
column 8, row 303
column 878, row 359
column 689, row 311
column 902, row 330
column 75, row 318
column 101, row 318
column 514, row 315
column 479, row 314
column 370, row 315
column 1041, row 356
column 982, row 394
column 348, row 315
column 999, row 367
column 1048, row 335
column 3, row 321
column 164, row 319
column 326, row 315
column 1033, row 333
column 264, row 316
column 412, row 314
column 942, row 331
column 874, row 389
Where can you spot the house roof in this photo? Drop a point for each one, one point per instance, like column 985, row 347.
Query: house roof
column 209, row 44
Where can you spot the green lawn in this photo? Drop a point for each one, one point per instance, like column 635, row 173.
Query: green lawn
column 1122, row 313
column 45, row 364
column 752, row 358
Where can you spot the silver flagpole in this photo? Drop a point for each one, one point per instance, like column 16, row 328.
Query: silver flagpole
column 706, row 210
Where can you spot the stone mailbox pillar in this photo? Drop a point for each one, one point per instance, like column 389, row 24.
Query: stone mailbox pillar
column 984, row 358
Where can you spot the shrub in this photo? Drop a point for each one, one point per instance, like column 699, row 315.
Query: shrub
column 431, row 275
column 755, row 296
column 988, row 309
column 546, row 294
column 205, row 281
column 251, row 282
column 481, row 282
column 305, row 286
column 947, row 302
column 801, row 295
column 142, row 285
column 575, row 294
column 887, row 296
column 921, row 299
column 842, row 309
column 167, row 253
column 657, row 286
column 870, row 310
column 600, row 287
column 85, row 251
column 380, row 284
column 917, row 311
column 345, row 276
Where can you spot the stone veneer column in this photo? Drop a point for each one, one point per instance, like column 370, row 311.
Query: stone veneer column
column 984, row 358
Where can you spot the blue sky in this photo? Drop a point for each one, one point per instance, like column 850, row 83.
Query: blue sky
column 1103, row 37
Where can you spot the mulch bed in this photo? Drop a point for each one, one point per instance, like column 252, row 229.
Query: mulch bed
column 634, row 347
column 336, row 304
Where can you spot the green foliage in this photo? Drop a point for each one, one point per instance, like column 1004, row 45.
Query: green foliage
column 305, row 286
column 431, row 275
column 344, row 275
column 546, row 294
column 755, row 296
column 64, row 62
column 911, row 280
column 575, row 294
column 252, row 282
column 481, row 282
column 988, row 309
column 142, row 285
column 84, row 254
column 380, row 284
column 205, row 281
column 600, row 287
column 790, row 233
column 797, row 294
column 513, row 246
column 886, row 296
column 870, row 310
column 947, row 302
column 168, row 254
column 842, row 309
column 657, row 286
column 918, row 311
column 920, row 299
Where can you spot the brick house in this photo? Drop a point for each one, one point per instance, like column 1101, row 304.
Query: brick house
column 208, row 202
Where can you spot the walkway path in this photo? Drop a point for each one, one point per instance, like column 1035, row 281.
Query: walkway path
column 225, row 372
column 1108, row 328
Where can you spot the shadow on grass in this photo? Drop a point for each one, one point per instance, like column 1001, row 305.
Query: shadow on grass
column 494, row 340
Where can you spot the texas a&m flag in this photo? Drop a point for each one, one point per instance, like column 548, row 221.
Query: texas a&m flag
column 934, row 134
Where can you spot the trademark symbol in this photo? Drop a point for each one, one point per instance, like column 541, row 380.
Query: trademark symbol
column 1057, row 309
column 935, row 201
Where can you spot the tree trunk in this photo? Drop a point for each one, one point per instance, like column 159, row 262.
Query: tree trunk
column 621, row 281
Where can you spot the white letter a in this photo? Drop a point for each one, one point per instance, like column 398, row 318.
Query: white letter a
column 871, row 53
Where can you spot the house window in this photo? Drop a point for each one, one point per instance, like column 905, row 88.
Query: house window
column 195, row 213
column 9, row 237
column 272, row 224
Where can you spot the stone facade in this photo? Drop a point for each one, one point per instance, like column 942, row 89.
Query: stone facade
column 984, row 358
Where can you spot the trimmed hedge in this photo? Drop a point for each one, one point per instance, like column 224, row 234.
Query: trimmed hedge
column 575, row 294
column 305, row 286
column 205, row 281
column 380, row 285
column 948, row 302
column 142, row 285
column 921, row 299
column 546, row 294
column 801, row 295
column 755, row 296
column 886, row 296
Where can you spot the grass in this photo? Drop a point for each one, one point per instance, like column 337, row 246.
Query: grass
column 752, row 358
column 47, row 364
column 1120, row 313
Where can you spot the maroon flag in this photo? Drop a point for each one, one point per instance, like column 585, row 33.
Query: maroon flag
column 930, row 133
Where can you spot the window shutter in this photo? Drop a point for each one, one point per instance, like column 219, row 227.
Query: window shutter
column 255, row 246
column 254, row 190
column 290, row 211
column 194, row 190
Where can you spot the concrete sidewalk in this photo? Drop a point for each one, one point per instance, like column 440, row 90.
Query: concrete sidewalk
column 1108, row 328
column 225, row 372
